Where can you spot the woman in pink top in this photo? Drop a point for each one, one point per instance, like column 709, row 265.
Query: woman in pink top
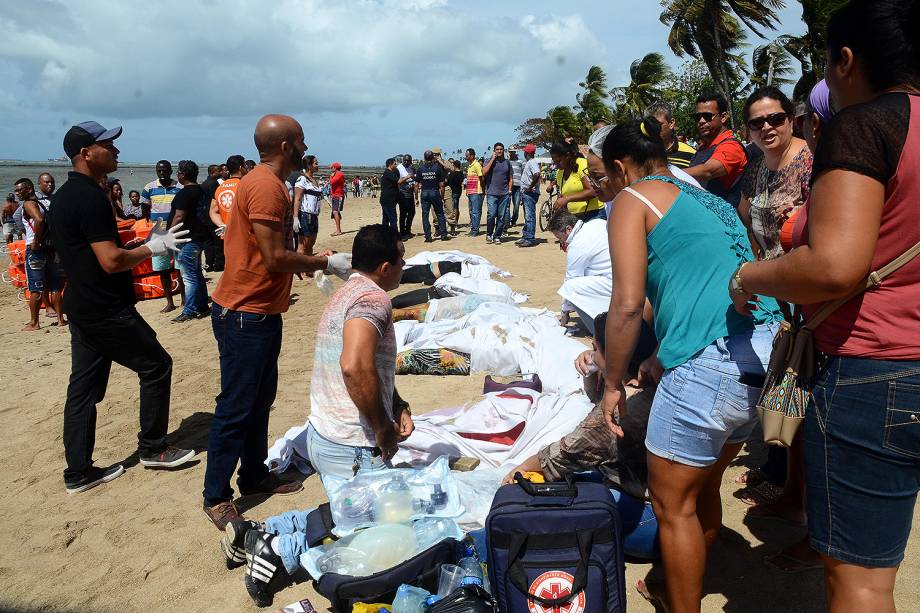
column 862, row 427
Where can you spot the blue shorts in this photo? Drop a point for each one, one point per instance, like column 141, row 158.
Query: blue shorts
column 43, row 272
column 862, row 459
column 710, row 400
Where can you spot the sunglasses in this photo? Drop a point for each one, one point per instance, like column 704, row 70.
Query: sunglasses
column 774, row 119
column 707, row 117
column 597, row 183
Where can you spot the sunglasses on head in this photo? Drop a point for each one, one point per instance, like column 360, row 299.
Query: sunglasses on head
column 707, row 117
column 774, row 119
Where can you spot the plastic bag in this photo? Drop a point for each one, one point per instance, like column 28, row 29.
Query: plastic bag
column 379, row 548
column 392, row 496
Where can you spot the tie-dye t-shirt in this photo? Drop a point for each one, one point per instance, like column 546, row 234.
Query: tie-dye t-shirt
column 332, row 412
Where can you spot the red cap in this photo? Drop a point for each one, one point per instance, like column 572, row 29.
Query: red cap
column 336, row 165
column 530, row 148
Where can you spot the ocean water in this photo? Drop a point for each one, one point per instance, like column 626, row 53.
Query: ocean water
column 131, row 176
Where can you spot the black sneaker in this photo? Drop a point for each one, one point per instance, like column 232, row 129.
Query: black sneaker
column 264, row 567
column 182, row 318
column 93, row 477
column 168, row 458
column 234, row 542
column 428, row 239
column 202, row 314
column 527, row 243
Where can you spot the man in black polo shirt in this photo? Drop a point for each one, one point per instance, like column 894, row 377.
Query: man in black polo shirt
column 104, row 325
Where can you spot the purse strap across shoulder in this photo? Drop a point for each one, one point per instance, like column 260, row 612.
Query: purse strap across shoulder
column 874, row 279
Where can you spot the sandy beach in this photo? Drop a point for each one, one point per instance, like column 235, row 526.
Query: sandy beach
column 142, row 543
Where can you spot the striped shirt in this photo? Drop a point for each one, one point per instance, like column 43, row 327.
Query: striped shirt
column 680, row 154
column 158, row 197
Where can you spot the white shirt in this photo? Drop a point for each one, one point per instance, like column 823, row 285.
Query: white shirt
column 531, row 169
column 310, row 202
column 588, row 270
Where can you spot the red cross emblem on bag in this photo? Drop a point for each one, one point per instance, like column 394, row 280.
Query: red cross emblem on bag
column 555, row 584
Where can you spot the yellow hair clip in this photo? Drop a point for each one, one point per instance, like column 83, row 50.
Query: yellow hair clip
column 642, row 128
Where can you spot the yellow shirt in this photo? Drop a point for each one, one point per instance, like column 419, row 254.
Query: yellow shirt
column 474, row 178
column 573, row 185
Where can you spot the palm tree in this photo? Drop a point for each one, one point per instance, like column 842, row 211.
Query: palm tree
column 647, row 76
column 592, row 102
column 771, row 64
column 810, row 48
column 711, row 30
column 561, row 122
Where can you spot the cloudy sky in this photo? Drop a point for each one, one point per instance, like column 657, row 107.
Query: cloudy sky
column 366, row 78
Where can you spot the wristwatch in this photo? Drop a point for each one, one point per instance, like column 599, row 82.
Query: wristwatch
column 735, row 284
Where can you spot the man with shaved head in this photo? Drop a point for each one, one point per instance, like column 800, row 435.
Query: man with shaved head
column 251, row 295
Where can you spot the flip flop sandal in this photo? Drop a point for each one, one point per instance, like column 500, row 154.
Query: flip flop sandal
column 654, row 600
column 763, row 493
column 751, row 477
column 794, row 565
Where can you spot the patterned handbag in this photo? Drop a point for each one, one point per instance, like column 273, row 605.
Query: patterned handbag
column 793, row 362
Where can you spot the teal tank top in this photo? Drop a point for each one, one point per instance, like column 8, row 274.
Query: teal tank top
column 692, row 253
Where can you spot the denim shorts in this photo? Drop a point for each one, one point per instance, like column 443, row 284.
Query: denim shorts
column 862, row 459
column 309, row 224
column 710, row 400
column 43, row 273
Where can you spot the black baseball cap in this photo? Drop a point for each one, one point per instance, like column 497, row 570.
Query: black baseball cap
column 85, row 134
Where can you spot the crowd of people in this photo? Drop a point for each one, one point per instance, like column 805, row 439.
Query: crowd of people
column 681, row 263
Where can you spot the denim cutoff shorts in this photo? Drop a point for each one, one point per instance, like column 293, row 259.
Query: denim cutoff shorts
column 862, row 459
column 710, row 400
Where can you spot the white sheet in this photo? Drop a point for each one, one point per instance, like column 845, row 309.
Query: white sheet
column 474, row 266
column 453, row 284
column 546, row 418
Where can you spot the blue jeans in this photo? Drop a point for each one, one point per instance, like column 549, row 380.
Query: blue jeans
column 327, row 457
column 249, row 345
column 432, row 198
column 196, row 290
column 475, row 212
column 708, row 401
column 511, row 216
column 498, row 206
column 390, row 216
column 862, row 459
column 530, row 214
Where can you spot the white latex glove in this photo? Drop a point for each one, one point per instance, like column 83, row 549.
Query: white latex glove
column 173, row 239
column 296, row 224
column 339, row 264
column 220, row 230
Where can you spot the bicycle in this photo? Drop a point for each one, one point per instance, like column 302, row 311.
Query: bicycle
column 546, row 211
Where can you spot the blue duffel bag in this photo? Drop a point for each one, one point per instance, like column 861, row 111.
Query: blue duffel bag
column 556, row 546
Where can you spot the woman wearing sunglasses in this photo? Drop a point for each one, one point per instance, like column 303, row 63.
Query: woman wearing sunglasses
column 775, row 184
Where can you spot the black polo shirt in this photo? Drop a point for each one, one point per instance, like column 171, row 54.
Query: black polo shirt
column 80, row 215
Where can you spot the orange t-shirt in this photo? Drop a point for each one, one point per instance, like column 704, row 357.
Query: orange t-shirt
column 225, row 195
column 246, row 284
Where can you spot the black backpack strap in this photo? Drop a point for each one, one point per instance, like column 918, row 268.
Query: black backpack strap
column 518, row 576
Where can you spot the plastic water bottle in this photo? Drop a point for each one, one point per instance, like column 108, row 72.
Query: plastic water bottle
column 471, row 567
column 410, row 599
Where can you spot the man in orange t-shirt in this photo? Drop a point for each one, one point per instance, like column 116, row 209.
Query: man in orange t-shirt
column 720, row 161
column 225, row 194
column 251, row 295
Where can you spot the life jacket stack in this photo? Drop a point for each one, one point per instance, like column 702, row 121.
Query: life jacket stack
column 147, row 283
column 16, row 271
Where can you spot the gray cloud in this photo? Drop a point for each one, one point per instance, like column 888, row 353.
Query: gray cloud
column 236, row 58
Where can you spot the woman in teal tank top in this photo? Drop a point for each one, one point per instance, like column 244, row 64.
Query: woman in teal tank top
column 678, row 246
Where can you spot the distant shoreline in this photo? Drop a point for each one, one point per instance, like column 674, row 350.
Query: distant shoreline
column 57, row 164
